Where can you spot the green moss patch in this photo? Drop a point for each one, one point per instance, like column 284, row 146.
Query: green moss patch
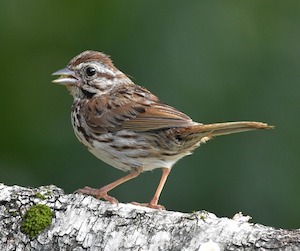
column 40, row 196
column 36, row 219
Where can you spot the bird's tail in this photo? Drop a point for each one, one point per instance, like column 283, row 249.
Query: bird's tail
column 217, row 129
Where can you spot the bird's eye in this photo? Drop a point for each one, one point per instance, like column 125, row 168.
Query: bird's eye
column 90, row 71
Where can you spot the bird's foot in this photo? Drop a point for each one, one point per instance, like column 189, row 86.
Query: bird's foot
column 98, row 193
column 150, row 205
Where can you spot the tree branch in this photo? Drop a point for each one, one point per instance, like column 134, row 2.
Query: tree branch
column 79, row 222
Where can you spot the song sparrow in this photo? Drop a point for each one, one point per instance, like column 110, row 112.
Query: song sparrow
column 128, row 127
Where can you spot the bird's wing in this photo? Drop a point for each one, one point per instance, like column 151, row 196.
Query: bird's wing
column 137, row 110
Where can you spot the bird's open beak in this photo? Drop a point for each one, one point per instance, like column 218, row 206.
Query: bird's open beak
column 67, row 77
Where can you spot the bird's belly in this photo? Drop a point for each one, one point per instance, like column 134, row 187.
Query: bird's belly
column 125, row 150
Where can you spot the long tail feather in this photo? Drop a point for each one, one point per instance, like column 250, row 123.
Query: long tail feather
column 217, row 129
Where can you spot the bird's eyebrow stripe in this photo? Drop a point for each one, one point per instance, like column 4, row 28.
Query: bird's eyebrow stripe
column 105, row 75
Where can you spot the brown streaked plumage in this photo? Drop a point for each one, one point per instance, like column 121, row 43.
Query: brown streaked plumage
column 128, row 127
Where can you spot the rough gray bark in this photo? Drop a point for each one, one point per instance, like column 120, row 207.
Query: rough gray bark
column 84, row 223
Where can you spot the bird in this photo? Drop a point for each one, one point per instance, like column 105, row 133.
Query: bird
column 126, row 126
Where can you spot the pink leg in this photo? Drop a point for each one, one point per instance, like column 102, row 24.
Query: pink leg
column 154, row 202
column 102, row 192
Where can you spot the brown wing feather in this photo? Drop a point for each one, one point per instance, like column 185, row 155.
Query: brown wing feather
column 158, row 116
column 138, row 110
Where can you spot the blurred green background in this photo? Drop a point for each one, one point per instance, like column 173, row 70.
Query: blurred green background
column 216, row 61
